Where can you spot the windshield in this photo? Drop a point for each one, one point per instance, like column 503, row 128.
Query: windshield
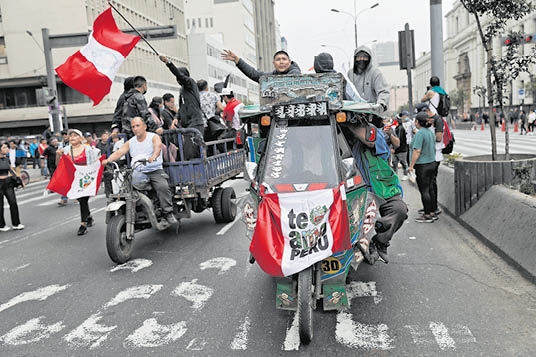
column 301, row 155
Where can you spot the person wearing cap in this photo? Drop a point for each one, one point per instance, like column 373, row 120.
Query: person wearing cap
column 401, row 152
column 282, row 65
column 368, row 79
column 231, row 110
column 423, row 164
column 190, row 113
column 81, row 155
column 371, row 153
column 89, row 139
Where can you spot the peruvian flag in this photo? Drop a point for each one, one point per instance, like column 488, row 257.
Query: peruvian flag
column 296, row 230
column 91, row 70
column 76, row 181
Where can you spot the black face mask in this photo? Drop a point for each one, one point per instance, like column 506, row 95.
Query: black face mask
column 362, row 65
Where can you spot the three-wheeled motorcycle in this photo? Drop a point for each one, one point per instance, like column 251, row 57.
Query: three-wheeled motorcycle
column 297, row 153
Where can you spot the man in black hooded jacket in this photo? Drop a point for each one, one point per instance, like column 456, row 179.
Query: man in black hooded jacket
column 190, row 113
column 135, row 105
column 128, row 84
column 282, row 65
column 324, row 64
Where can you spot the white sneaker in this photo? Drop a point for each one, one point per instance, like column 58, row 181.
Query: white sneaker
column 19, row 227
column 404, row 178
column 5, row 229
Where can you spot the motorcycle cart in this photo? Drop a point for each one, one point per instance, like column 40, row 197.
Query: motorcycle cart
column 302, row 152
column 196, row 174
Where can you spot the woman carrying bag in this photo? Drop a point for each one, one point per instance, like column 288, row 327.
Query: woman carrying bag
column 81, row 154
column 8, row 181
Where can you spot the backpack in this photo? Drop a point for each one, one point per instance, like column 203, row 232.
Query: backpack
column 448, row 139
column 382, row 178
column 443, row 107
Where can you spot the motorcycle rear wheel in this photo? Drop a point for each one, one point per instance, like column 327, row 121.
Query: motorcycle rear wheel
column 118, row 246
column 305, row 305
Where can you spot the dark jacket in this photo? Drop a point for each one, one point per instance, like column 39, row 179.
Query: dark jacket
column 324, row 64
column 168, row 115
column 118, row 112
column 135, row 105
column 255, row 75
column 189, row 103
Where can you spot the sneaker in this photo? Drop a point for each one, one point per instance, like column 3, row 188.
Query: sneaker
column 19, row 227
column 170, row 218
column 434, row 217
column 5, row 229
column 424, row 219
column 382, row 252
column 90, row 221
column 404, row 178
column 437, row 212
column 62, row 203
column 82, row 230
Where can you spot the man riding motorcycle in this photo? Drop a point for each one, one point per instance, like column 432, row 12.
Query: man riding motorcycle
column 147, row 146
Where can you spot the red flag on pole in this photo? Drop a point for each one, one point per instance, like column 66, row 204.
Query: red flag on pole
column 92, row 69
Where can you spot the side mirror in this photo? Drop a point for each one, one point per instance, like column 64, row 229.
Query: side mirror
column 349, row 168
column 251, row 171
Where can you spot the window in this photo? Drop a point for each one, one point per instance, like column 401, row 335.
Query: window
column 206, row 22
column 2, row 46
column 188, row 23
column 211, row 22
column 199, row 22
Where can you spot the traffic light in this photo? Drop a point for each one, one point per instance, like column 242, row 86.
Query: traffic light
column 530, row 38
column 519, row 39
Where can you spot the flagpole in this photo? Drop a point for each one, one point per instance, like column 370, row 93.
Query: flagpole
column 142, row 37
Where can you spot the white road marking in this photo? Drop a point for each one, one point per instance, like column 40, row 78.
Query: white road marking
column 90, row 333
column 152, row 334
column 362, row 289
column 418, row 335
column 5, row 241
column 462, row 334
column 196, row 344
column 412, row 238
column 221, row 263
column 240, row 342
column 31, row 331
column 36, row 295
column 230, row 224
column 133, row 265
column 197, row 294
column 55, row 201
column 292, row 338
column 357, row 335
column 11, row 270
column 135, row 292
column 442, row 337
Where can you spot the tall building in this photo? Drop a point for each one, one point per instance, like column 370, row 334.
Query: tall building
column 465, row 61
column 267, row 30
column 22, row 62
column 205, row 63
column 233, row 21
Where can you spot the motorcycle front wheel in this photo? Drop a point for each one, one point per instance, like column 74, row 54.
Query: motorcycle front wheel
column 118, row 246
column 305, row 305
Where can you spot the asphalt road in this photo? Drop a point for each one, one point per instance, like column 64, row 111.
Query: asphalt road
column 442, row 294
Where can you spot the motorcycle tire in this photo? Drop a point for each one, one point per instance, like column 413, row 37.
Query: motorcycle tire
column 217, row 209
column 305, row 305
column 118, row 246
column 227, row 205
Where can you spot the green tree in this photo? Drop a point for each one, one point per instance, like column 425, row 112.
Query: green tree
column 457, row 99
column 498, row 13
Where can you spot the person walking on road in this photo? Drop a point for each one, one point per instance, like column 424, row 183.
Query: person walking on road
column 532, row 121
column 81, row 154
column 7, row 189
column 523, row 121
column 423, row 164
column 50, row 155
column 401, row 152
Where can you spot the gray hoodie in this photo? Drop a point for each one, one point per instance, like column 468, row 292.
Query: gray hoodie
column 370, row 83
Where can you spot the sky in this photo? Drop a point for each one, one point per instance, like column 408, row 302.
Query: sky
column 308, row 24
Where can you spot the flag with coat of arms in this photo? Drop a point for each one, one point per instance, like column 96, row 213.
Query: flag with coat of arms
column 75, row 181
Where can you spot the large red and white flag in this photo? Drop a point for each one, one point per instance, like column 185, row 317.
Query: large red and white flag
column 76, row 181
column 91, row 70
column 296, row 230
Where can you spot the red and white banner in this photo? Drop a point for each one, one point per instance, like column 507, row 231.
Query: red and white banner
column 76, row 181
column 296, row 230
column 91, row 70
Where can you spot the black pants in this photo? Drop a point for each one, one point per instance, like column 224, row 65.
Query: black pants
column 400, row 158
column 159, row 182
column 7, row 190
column 434, row 186
column 394, row 212
column 425, row 176
column 84, row 208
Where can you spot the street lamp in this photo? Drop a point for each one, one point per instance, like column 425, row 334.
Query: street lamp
column 355, row 15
